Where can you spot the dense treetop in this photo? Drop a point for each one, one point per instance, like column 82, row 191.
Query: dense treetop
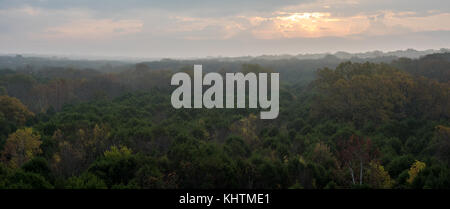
column 341, row 125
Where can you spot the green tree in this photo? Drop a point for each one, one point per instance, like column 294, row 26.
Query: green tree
column 85, row 181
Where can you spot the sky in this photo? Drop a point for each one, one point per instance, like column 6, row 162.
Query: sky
column 202, row 28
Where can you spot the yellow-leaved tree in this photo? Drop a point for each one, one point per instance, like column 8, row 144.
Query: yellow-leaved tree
column 378, row 177
column 14, row 111
column 415, row 170
column 20, row 147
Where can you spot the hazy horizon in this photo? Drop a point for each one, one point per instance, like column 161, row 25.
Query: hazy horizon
column 298, row 55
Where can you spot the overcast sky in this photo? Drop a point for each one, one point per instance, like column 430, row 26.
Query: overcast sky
column 198, row 28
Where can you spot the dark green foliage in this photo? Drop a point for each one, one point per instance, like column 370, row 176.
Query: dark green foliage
column 38, row 165
column 85, row 181
column 115, row 169
column 26, row 180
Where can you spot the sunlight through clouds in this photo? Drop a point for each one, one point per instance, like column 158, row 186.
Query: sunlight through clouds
column 310, row 25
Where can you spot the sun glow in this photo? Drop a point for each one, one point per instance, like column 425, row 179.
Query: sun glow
column 296, row 17
column 311, row 25
column 308, row 22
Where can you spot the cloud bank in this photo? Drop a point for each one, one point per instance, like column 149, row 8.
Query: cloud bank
column 213, row 28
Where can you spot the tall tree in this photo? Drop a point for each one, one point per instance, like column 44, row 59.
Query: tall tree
column 355, row 154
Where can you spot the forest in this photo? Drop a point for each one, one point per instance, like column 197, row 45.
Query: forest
column 377, row 122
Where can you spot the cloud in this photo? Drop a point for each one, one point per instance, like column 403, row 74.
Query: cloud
column 282, row 24
column 194, row 7
column 94, row 29
column 40, row 23
column 355, row 7
column 308, row 25
column 165, row 27
column 262, row 19
column 195, row 28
